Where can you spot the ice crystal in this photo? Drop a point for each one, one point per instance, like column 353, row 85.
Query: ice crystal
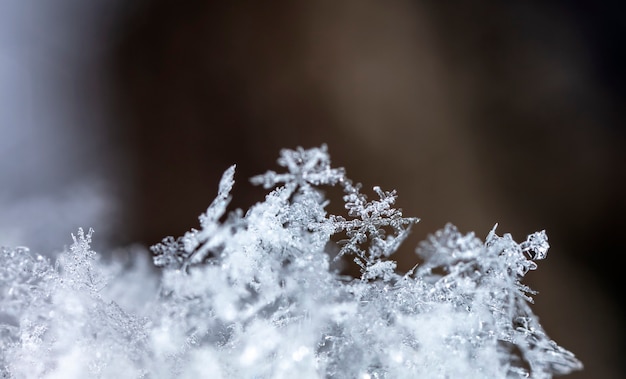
column 252, row 295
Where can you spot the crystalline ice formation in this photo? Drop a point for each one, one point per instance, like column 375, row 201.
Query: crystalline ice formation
column 251, row 295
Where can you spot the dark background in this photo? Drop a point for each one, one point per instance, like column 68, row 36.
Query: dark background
column 495, row 112
column 508, row 112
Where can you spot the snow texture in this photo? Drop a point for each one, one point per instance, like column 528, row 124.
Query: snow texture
column 252, row 295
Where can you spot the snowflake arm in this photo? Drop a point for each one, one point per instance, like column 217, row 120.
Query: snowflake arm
column 195, row 245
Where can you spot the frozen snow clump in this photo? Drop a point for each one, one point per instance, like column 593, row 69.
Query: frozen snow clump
column 252, row 295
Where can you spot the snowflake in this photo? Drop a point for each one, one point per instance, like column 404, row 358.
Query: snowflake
column 368, row 221
column 306, row 168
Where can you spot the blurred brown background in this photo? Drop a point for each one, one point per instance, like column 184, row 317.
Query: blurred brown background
column 508, row 113
column 505, row 112
column 495, row 112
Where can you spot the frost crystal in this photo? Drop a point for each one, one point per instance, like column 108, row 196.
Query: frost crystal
column 252, row 295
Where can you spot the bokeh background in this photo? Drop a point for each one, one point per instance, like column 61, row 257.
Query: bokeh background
column 123, row 115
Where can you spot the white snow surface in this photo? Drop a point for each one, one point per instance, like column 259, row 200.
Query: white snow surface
column 252, row 295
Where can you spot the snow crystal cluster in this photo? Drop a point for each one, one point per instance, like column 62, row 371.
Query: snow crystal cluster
column 253, row 295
